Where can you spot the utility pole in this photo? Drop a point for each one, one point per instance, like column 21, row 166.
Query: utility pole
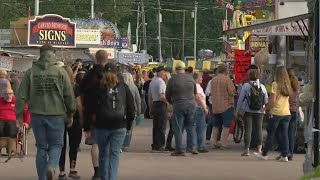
column 36, row 8
column 159, row 30
column 144, row 27
column 195, row 31
column 92, row 9
column 183, row 32
column 137, row 29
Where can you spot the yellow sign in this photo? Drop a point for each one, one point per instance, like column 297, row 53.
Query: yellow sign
column 192, row 63
column 206, row 65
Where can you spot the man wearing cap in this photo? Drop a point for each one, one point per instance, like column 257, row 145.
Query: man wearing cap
column 158, row 109
column 180, row 92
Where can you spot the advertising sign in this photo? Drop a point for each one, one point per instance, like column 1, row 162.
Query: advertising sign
column 252, row 3
column 6, row 63
column 258, row 42
column 110, row 51
column 51, row 29
column 118, row 43
column 88, row 36
column 4, row 36
column 133, row 58
column 288, row 29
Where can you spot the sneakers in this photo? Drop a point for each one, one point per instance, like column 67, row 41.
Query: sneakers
column 283, row 159
column 178, row 154
column 260, row 156
column 74, row 175
column 161, row 150
column 193, row 151
column 169, row 148
column 62, row 177
column 50, row 175
column 246, row 153
column 125, row 149
column 203, row 150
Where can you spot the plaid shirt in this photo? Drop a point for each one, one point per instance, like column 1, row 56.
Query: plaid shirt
column 222, row 89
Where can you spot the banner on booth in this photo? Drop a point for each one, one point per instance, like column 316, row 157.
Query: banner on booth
column 6, row 63
column 88, row 36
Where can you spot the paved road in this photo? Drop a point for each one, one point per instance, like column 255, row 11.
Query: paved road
column 139, row 164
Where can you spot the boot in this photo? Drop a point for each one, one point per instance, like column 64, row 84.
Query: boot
column 224, row 137
column 215, row 135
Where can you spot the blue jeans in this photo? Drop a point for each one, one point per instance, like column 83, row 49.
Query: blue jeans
column 180, row 120
column 127, row 139
column 210, row 121
column 109, row 158
column 292, row 131
column 48, row 132
column 273, row 123
column 201, row 125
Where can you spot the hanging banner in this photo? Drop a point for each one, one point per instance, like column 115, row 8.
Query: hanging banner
column 252, row 3
column 288, row 29
column 132, row 58
column 51, row 29
column 258, row 42
column 6, row 63
column 88, row 36
column 110, row 52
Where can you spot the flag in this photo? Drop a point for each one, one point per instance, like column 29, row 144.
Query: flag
column 29, row 12
column 219, row 2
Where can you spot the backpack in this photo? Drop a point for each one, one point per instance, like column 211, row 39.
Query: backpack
column 255, row 97
column 111, row 103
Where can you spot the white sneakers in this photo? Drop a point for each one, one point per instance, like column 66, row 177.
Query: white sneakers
column 283, row 159
column 260, row 156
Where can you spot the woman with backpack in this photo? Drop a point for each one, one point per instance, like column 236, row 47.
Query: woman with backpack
column 252, row 99
column 279, row 114
column 113, row 117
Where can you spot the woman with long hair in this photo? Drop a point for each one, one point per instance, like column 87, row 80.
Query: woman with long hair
column 128, row 79
column 74, row 132
column 279, row 114
column 293, row 102
column 113, row 117
column 252, row 116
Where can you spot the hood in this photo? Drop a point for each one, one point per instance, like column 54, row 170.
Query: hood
column 46, row 60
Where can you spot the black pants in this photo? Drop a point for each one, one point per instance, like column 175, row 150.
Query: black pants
column 146, row 112
column 160, row 118
column 8, row 129
column 170, row 135
column 75, row 135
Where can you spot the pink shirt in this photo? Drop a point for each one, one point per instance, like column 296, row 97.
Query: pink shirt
column 200, row 91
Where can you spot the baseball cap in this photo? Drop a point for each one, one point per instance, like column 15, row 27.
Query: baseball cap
column 180, row 65
column 161, row 68
column 111, row 67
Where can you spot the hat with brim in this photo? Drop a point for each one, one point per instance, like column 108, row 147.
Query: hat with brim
column 180, row 65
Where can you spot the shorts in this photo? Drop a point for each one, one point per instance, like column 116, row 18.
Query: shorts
column 8, row 129
column 224, row 118
column 92, row 139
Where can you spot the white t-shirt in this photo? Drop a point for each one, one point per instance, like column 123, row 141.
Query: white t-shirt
column 200, row 91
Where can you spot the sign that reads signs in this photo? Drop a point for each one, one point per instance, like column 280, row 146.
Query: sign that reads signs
column 88, row 36
column 258, row 42
column 133, row 58
column 110, row 51
column 51, row 29
column 6, row 63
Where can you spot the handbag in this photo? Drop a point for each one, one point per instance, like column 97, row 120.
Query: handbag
column 138, row 120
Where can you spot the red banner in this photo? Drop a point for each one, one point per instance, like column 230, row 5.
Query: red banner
column 241, row 64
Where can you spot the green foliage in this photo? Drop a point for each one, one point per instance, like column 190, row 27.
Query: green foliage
column 123, row 11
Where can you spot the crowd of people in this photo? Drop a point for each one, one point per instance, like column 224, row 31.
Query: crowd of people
column 106, row 102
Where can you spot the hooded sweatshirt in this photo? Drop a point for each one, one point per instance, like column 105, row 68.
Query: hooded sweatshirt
column 46, row 88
